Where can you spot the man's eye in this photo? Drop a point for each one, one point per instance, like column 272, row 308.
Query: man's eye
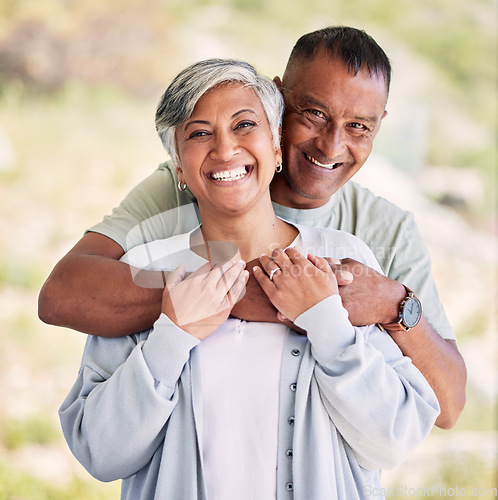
column 358, row 126
column 313, row 114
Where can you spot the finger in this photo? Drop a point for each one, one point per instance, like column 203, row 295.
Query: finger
column 320, row 263
column 343, row 277
column 269, row 265
column 205, row 269
column 238, row 288
column 176, row 276
column 281, row 317
column 280, row 258
column 230, row 272
column 264, row 281
column 332, row 262
column 295, row 256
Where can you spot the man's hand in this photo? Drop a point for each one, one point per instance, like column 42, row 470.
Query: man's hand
column 369, row 297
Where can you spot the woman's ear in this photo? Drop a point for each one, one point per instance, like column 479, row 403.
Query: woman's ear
column 278, row 156
column 278, row 82
column 179, row 174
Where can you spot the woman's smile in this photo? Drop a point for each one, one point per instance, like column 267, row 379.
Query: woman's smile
column 226, row 150
column 231, row 175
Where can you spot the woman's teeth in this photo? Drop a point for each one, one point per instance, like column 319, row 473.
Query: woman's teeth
column 330, row 166
column 230, row 175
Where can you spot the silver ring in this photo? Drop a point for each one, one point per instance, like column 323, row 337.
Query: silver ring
column 273, row 271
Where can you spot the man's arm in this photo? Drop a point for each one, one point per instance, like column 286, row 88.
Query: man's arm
column 373, row 298
column 91, row 291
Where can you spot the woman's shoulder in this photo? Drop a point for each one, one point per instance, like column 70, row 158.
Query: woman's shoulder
column 328, row 242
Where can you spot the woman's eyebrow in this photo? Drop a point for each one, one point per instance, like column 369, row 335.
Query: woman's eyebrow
column 245, row 110
column 206, row 122
column 194, row 122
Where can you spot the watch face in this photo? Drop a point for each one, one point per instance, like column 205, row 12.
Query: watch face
column 412, row 312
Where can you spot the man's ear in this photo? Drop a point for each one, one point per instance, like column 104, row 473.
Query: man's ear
column 278, row 82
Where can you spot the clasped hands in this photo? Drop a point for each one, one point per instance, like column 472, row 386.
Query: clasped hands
column 201, row 302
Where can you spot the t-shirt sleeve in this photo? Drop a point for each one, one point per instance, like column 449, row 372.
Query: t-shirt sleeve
column 411, row 265
column 154, row 209
column 395, row 240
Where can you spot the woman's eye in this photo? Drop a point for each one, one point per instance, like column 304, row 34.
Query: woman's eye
column 197, row 133
column 244, row 124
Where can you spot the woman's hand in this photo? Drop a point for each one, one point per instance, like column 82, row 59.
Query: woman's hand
column 298, row 283
column 200, row 303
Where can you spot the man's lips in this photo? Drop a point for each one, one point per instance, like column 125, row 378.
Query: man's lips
column 328, row 166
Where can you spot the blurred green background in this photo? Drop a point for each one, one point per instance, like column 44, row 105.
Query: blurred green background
column 79, row 82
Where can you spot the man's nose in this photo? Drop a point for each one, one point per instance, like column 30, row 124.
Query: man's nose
column 225, row 147
column 332, row 142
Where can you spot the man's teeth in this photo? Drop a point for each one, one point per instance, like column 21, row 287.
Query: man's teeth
column 330, row 166
column 230, row 175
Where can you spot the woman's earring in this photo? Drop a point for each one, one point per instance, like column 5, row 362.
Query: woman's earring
column 182, row 187
column 278, row 168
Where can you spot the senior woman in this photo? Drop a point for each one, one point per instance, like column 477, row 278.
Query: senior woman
column 207, row 406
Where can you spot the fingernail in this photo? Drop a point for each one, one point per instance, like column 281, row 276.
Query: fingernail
column 347, row 276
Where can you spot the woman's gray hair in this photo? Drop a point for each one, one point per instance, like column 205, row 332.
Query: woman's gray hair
column 178, row 102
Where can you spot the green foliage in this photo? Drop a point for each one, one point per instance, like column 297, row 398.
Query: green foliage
column 35, row 429
column 20, row 275
column 19, row 485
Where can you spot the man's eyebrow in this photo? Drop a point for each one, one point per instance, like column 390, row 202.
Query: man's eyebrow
column 369, row 119
column 307, row 100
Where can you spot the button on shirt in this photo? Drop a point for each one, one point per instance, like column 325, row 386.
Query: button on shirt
column 136, row 409
column 240, row 377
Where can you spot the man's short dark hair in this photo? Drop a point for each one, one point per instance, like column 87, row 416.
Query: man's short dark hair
column 357, row 49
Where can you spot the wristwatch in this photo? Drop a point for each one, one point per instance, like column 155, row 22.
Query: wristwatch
column 410, row 312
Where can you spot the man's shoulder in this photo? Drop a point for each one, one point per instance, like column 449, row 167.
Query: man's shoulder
column 354, row 194
column 329, row 242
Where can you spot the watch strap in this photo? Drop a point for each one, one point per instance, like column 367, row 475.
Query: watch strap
column 398, row 326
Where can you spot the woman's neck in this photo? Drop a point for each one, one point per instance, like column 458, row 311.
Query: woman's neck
column 255, row 232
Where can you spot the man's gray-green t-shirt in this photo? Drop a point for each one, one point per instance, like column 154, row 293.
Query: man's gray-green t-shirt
column 156, row 209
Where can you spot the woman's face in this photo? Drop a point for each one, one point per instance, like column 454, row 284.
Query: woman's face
column 226, row 151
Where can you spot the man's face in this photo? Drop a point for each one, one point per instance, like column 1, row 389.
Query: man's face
column 331, row 120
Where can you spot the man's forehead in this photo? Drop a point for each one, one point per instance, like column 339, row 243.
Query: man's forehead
column 327, row 65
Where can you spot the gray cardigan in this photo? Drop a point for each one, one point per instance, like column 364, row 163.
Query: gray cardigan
column 350, row 404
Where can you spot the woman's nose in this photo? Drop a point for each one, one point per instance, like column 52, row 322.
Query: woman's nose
column 224, row 148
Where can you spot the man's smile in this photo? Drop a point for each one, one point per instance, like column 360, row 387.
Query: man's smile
column 329, row 166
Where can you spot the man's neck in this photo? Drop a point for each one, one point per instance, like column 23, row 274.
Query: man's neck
column 283, row 194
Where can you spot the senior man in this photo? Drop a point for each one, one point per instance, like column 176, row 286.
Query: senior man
column 335, row 88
